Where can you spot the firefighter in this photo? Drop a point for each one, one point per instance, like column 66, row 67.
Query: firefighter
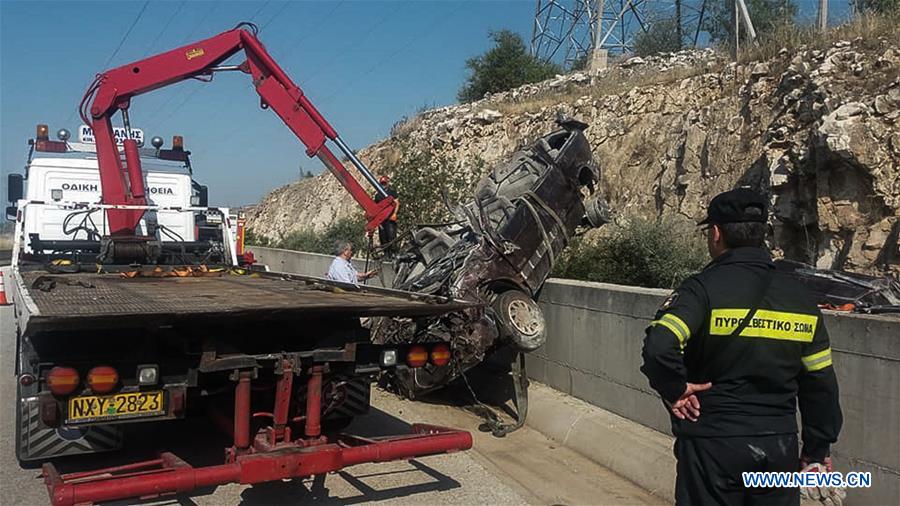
column 729, row 352
column 387, row 231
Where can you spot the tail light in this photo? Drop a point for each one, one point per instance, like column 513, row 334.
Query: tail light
column 102, row 379
column 50, row 146
column 62, row 380
column 440, row 355
column 417, row 356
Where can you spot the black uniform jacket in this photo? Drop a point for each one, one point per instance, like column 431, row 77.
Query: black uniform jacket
column 782, row 355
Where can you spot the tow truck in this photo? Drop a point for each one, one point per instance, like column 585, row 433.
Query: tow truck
column 127, row 313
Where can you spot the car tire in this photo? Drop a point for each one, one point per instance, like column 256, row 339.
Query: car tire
column 520, row 320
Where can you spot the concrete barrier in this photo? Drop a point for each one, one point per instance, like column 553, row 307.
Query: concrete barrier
column 314, row 264
column 593, row 353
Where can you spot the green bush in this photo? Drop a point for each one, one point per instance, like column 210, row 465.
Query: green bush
column 767, row 17
column 505, row 66
column 649, row 253
column 661, row 37
column 251, row 239
column 877, row 6
column 345, row 229
column 422, row 179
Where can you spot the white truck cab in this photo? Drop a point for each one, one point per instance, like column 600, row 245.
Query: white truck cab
column 57, row 197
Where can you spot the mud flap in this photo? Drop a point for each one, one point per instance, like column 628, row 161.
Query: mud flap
column 36, row 442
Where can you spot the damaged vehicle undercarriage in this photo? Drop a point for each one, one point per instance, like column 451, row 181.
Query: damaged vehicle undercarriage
column 500, row 249
column 846, row 291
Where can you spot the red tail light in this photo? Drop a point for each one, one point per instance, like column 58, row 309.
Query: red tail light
column 102, row 379
column 440, row 355
column 50, row 146
column 417, row 356
column 62, row 380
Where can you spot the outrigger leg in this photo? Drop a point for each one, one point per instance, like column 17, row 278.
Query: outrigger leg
column 272, row 454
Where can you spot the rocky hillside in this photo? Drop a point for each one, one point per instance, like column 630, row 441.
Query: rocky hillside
column 818, row 128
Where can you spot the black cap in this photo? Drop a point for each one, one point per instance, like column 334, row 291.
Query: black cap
column 737, row 206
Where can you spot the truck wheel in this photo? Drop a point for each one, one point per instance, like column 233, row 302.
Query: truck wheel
column 520, row 320
column 336, row 424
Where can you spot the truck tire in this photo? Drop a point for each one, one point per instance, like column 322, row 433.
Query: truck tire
column 336, row 424
column 520, row 320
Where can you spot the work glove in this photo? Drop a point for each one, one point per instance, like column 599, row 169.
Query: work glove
column 828, row 496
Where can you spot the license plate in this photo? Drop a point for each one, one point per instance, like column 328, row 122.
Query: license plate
column 106, row 407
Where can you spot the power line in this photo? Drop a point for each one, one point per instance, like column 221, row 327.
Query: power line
column 306, row 35
column 309, row 33
column 189, row 36
column 359, row 40
column 259, row 10
column 275, row 16
column 165, row 26
column 178, row 107
column 436, row 21
column 202, row 20
column 114, row 53
column 127, row 33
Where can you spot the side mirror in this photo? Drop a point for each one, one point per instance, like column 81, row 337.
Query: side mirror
column 14, row 187
column 203, row 193
column 11, row 212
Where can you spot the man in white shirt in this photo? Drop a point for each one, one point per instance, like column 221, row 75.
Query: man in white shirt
column 342, row 269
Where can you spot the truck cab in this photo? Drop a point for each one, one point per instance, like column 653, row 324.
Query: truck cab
column 55, row 202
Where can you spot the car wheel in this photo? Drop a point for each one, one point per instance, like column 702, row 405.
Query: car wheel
column 520, row 320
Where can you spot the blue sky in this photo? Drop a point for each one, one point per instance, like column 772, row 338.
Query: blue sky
column 364, row 64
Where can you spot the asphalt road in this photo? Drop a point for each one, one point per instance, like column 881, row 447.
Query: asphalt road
column 522, row 468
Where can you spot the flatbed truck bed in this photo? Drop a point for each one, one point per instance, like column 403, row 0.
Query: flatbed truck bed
column 68, row 301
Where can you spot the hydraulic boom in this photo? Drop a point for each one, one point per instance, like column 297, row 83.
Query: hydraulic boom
column 112, row 91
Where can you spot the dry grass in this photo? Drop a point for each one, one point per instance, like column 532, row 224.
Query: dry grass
column 870, row 29
column 405, row 125
column 614, row 82
column 875, row 31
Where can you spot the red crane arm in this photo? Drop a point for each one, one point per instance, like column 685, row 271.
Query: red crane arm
column 113, row 90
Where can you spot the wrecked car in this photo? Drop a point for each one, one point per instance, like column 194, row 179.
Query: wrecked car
column 846, row 291
column 499, row 249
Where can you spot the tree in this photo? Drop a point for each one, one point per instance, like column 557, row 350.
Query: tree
column 351, row 230
column 423, row 178
column 504, row 66
column 662, row 37
column 765, row 14
column 879, row 6
column 582, row 62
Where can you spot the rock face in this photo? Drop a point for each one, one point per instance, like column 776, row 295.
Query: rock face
column 817, row 129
